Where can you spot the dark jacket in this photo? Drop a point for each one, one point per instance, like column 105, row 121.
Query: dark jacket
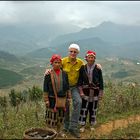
column 47, row 87
column 97, row 78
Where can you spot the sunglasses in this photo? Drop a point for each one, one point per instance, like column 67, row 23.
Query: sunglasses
column 73, row 51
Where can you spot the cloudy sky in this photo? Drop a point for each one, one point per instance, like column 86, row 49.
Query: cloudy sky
column 79, row 13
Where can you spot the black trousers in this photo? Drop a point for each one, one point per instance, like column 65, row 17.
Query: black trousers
column 91, row 108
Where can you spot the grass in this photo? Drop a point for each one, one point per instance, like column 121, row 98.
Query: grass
column 15, row 124
column 114, row 116
column 131, row 132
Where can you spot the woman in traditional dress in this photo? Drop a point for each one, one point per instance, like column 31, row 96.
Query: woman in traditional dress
column 90, row 84
column 56, row 93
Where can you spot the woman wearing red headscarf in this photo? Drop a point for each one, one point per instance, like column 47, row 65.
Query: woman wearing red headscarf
column 90, row 84
column 56, row 90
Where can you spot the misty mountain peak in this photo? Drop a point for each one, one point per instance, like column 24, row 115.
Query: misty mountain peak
column 107, row 23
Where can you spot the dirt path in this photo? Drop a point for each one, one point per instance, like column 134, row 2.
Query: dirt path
column 106, row 128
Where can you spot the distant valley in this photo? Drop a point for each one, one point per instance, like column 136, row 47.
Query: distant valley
column 27, row 72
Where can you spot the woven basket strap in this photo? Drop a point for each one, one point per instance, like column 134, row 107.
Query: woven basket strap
column 58, row 81
column 54, row 89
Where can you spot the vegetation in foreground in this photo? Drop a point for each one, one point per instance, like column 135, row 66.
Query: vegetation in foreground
column 25, row 109
column 131, row 132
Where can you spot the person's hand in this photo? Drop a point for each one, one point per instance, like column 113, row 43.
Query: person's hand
column 81, row 91
column 69, row 97
column 82, row 94
column 69, row 100
column 99, row 66
column 48, row 71
column 69, row 94
column 47, row 104
column 101, row 94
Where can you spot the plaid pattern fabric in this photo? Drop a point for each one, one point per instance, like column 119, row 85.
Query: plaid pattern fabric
column 54, row 118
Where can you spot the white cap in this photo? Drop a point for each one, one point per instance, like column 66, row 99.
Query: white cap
column 75, row 46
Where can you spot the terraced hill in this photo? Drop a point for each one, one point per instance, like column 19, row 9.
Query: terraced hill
column 9, row 78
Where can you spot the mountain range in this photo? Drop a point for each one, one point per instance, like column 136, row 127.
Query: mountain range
column 107, row 39
column 21, row 39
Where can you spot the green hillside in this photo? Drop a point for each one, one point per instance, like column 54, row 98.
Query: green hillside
column 114, row 69
column 9, row 78
column 33, row 70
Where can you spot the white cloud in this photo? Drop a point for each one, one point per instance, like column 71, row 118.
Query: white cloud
column 79, row 13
